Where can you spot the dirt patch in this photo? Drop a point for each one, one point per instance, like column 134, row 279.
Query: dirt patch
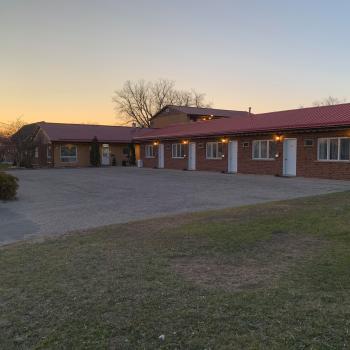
column 255, row 266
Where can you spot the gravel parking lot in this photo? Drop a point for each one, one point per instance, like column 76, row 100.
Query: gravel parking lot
column 54, row 201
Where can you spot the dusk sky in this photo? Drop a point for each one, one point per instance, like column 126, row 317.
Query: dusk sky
column 61, row 60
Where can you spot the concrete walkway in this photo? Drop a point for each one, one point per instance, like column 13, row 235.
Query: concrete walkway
column 52, row 201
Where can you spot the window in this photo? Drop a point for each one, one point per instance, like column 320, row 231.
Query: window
column 214, row 150
column 334, row 149
column 126, row 151
column 149, row 150
column 264, row 149
column 36, row 152
column 177, row 150
column 245, row 144
column 344, row 149
column 308, row 142
column 69, row 153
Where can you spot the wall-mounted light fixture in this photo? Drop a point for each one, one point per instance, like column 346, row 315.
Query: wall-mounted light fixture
column 185, row 142
column 224, row 140
column 278, row 138
column 155, row 143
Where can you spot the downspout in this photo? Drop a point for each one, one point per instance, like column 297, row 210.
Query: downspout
column 52, row 154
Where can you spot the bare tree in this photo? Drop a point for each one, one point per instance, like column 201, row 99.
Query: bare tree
column 11, row 127
column 20, row 140
column 139, row 101
column 329, row 101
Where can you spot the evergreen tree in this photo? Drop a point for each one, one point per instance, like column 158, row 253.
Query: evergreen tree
column 132, row 155
column 95, row 157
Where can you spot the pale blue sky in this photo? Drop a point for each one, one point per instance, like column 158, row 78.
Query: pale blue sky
column 62, row 60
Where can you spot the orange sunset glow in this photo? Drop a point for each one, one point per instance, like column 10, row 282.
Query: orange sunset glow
column 62, row 61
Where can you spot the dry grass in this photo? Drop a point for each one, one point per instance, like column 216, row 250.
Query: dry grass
column 271, row 276
column 257, row 267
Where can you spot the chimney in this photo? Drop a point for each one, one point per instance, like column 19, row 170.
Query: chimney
column 250, row 111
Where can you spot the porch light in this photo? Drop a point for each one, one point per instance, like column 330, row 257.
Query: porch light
column 155, row 143
column 185, row 142
column 224, row 140
column 278, row 138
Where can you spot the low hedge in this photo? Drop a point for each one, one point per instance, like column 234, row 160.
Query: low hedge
column 8, row 186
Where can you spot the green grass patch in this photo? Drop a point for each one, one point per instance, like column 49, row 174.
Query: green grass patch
column 271, row 276
column 4, row 166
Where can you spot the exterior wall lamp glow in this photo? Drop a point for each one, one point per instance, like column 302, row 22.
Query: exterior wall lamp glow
column 278, row 138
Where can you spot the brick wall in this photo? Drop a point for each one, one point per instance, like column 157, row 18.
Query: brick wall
column 171, row 118
column 42, row 143
column 248, row 165
column 174, row 163
column 149, row 162
column 307, row 163
column 117, row 150
column 202, row 163
column 309, row 166
column 84, row 154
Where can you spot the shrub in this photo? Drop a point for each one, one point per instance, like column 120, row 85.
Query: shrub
column 132, row 154
column 8, row 186
column 95, row 157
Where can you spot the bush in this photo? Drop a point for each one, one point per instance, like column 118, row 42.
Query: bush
column 95, row 157
column 8, row 186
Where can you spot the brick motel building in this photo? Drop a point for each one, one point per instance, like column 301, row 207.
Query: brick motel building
column 307, row 142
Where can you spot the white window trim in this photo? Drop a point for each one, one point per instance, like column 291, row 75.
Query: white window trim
column 36, row 152
column 268, row 150
column 206, row 150
column 147, row 155
column 328, row 150
column 172, row 150
column 71, row 161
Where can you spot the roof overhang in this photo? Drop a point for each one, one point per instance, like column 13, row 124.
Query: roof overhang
column 246, row 132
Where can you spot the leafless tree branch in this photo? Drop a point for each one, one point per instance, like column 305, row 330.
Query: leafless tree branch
column 139, row 101
column 329, row 101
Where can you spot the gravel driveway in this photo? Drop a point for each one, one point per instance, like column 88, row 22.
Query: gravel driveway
column 52, row 201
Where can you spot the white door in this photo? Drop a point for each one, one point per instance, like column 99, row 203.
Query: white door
column 232, row 157
column 192, row 156
column 290, row 157
column 105, row 154
column 161, row 156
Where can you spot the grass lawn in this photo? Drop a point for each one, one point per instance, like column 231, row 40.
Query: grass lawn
column 272, row 276
column 4, row 166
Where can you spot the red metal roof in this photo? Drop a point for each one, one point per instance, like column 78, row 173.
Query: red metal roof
column 304, row 118
column 85, row 132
